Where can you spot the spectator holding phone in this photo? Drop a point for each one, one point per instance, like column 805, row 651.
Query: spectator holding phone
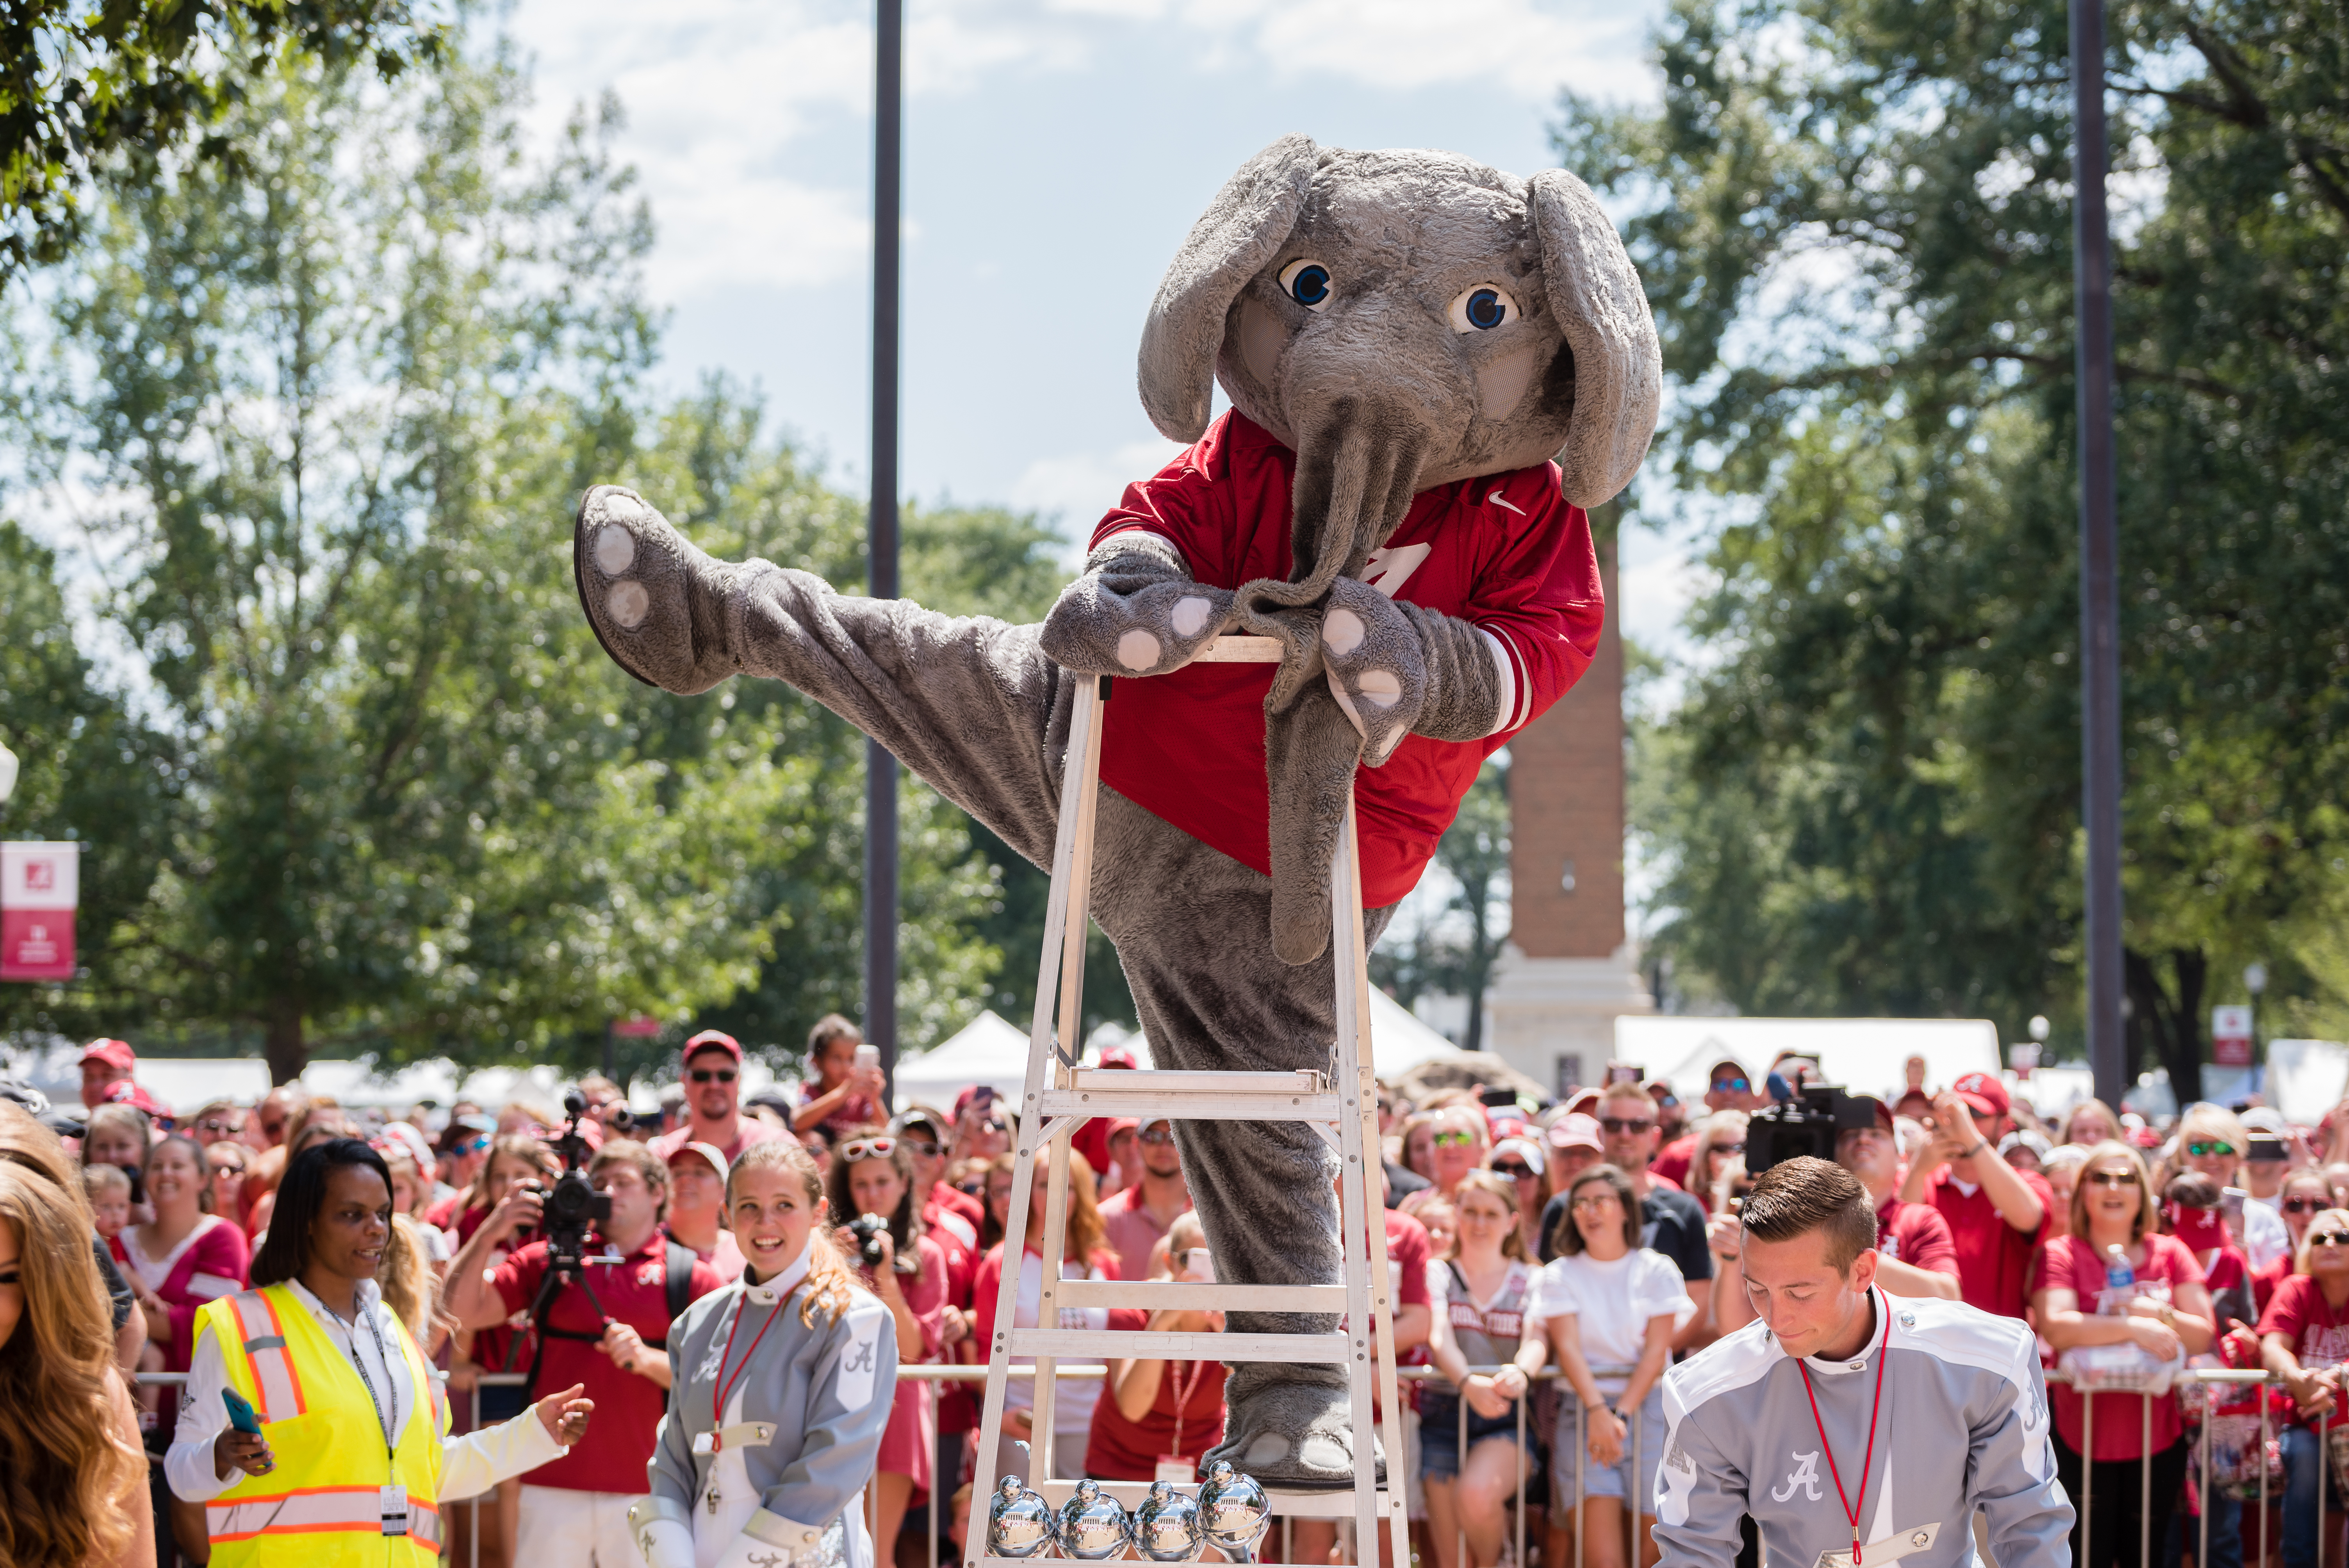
column 2211, row 1138
column 311, row 1430
column 983, row 1125
column 1995, row 1211
column 712, row 1065
column 1156, row 1418
column 844, row 1095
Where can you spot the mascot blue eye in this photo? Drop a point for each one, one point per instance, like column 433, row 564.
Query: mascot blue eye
column 1306, row 283
column 1483, row 308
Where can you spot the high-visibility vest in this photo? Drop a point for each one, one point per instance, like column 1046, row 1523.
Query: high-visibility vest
column 322, row 1505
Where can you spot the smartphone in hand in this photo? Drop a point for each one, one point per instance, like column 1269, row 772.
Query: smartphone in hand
column 240, row 1415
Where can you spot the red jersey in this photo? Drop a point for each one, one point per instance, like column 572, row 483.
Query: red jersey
column 2070, row 1262
column 1994, row 1257
column 1184, row 1420
column 1916, row 1234
column 2317, row 1331
column 1504, row 552
column 628, row 1408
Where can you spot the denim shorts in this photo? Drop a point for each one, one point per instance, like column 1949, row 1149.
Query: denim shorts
column 1438, row 1432
column 1571, row 1465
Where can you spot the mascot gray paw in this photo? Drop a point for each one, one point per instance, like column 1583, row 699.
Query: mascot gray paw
column 1296, row 1435
column 1096, row 630
column 658, row 605
column 1376, row 667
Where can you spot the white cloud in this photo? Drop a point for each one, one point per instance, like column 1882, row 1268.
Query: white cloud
column 1078, row 487
column 1519, row 46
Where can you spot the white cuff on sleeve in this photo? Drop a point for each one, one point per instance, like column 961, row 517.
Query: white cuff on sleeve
column 1505, row 671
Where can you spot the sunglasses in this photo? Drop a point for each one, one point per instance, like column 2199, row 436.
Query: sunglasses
column 214, row 1124
column 234, row 1166
column 470, row 1146
column 1730, row 1086
column 1626, row 1123
column 1454, row 1140
column 1514, row 1172
column 2306, row 1205
column 1729, row 1149
column 713, row 1075
column 857, row 1148
column 921, row 1149
column 2202, row 1147
column 1596, row 1200
column 1156, row 1134
column 2113, row 1178
column 2329, row 1239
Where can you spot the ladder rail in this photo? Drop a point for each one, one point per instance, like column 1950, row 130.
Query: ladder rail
column 1058, row 1096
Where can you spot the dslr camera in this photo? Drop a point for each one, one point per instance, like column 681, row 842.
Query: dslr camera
column 867, row 1228
column 1807, row 1123
column 572, row 1203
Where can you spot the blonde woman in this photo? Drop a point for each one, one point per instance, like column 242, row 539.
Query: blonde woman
column 1720, row 1139
column 2212, row 1141
column 73, row 1476
column 781, row 1387
column 2304, row 1339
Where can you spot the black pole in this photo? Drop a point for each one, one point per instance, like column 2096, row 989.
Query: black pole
column 880, row 767
column 2100, row 673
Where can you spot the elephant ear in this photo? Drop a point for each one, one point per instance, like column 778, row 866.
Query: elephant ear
column 1244, row 226
column 1619, row 370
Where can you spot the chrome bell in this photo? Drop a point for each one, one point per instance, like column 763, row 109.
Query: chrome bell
column 1234, row 1512
column 1094, row 1527
column 1166, row 1527
column 1019, row 1522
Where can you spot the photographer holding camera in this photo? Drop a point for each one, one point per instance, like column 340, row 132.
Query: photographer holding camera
column 602, row 1306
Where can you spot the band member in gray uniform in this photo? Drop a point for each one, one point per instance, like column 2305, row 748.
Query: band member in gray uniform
column 781, row 1385
column 1857, row 1429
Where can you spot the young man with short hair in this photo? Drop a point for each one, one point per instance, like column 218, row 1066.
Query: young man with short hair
column 712, row 1063
column 1138, row 1215
column 1855, row 1428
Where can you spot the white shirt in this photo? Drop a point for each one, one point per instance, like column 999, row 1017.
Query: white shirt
column 469, row 1464
column 1611, row 1303
column 2265, row 1239
column 1074, row 1398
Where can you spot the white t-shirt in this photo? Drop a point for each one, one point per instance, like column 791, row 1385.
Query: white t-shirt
column 1611, row 1303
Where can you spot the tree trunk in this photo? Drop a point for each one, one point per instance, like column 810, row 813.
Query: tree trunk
column 2170, row 1023
column 282, row 1042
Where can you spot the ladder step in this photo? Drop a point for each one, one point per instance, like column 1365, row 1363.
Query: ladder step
column 1170, row 1081
column 1239, row 651
column 1120, row 1344
column 1153, row 1295
column 1196, row 1096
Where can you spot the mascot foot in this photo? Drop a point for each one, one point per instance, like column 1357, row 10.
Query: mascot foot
column 658, row 605
column 1293, row 1436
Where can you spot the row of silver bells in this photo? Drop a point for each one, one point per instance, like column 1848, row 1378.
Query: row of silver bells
column 1231, row 1514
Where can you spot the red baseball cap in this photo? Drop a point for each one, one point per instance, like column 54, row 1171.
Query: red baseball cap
column 710, row 1040
column 1983, row 1093
column 125, row 1092
column 113, row 1053
column 1126, row 1124
column 1118, row 1057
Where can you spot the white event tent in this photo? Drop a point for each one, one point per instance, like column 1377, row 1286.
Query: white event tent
column 1863, row 1055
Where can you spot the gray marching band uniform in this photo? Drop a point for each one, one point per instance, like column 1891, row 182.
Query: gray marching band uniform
column 1963, row 1425
column 780, row 1479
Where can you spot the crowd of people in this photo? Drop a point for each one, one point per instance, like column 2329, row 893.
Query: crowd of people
column 1551, row 1262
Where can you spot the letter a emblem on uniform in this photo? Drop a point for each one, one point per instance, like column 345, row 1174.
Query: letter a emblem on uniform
column 1807, row 1476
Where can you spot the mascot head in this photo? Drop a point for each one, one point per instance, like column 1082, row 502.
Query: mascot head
column 1400, row 320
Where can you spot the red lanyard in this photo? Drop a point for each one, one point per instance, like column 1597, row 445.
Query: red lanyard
column 1182, row 1397
column 718, row 1398
column 1851, row 1510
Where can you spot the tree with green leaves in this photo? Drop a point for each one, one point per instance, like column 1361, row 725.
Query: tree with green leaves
column 83, row 81
column 1854, row 221
column 322, row 423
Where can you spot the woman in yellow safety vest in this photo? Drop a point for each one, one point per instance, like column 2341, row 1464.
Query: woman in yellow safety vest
column 353, row 1461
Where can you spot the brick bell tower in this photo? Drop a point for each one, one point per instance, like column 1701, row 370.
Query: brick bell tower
column 1567, row 971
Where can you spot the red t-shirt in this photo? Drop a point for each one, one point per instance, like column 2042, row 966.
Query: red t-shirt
column 1916, row 1234
column 2070, row 1262
column 1672, row 1163
column 628, row 1408
column 1994, row 1257
column 2318, row 1332
column 1504, row 552
column 1186, row 1418
column 747, row 1131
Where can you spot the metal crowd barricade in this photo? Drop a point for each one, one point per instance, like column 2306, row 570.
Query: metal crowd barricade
column 2090, row 1402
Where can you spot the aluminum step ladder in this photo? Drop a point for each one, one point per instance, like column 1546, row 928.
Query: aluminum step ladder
column 1058, row 1096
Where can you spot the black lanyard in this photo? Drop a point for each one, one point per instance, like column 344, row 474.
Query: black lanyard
column 374, row 1403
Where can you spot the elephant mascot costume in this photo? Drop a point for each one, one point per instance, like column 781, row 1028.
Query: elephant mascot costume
column 1434, row 368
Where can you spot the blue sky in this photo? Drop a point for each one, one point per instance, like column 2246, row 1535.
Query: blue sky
column 1056, row 153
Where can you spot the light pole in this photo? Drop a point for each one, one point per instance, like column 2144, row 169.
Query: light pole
column 881, row 526
column 2100, row 677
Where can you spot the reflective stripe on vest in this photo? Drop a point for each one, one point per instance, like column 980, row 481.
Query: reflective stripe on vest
column 318, row 1510
column 265, row 1348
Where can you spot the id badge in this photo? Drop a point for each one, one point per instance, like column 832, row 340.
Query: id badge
column 1175, row 1468
column 393, row 1508
column 1891, row 1549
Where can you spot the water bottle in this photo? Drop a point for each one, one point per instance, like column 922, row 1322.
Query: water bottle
column 2119, row 1275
